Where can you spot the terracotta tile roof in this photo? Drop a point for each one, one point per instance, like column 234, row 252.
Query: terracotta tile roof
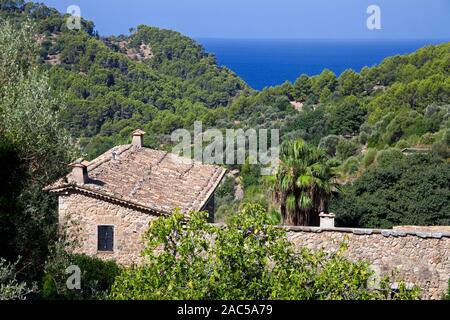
column 151, row 180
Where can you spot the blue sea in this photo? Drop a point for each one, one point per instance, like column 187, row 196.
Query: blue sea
column 263, row 63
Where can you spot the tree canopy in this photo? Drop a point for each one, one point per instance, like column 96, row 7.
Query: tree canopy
column 402, row 190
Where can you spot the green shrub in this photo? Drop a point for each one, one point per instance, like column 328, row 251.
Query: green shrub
column 347, row 148
column 447, row 297
column 413, row 140
column 226, row 188
column 428, row 139
column 402, row 144
column 351, row 165
column 329, row 144
column 411, row 190
column 363, row 138
column 31, row 133
column 10, row 287
column 446, row 137
column 251, row 175
column 389, row 156
column 370, row 156
column 97, row 277
column 441, row 149
column 224, row 206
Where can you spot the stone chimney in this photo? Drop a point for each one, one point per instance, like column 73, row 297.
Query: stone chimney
column 79, row 171
column 138, row 138
column 327, row 220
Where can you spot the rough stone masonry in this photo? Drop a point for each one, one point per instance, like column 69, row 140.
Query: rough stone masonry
column 421, row 258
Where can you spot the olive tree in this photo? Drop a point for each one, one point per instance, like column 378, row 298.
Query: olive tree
column 30, row 123
column 10, row 287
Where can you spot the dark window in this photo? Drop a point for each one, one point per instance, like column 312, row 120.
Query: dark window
column 105, row 238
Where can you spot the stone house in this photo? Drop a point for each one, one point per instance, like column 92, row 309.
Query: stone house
column 107, row 204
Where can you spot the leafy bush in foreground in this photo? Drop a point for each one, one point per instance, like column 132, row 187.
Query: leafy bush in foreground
column 97, row 277
column 447, row 297
column 248, row 259
column 10, row 287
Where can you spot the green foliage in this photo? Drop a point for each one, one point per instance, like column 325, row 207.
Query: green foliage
column 224, row 206
column 370, row 156
column 426, row 139
column 10, row 176
column 329, row 144
column 401, row 190
column 302, row 184
column 325, row 82
column 350, row 83
column 404, row 125
column 442, row 149
column 347, row 117
column 363, row 138
column 224, row 199
column 110, row 88
column 311, row 126
column 33, row 138
column 389, row 157
column 226, row 188
column 10, row 287
column 251, row 174
column 49, row 20
column 416, row 95
column 302, row 88
column 256, row 194
column 113, row 88
column 179, row 56
column 442, row 146
column 447, row 297
column 351, row 165
column 347, row 148
column 249, row 259
column 97, row 276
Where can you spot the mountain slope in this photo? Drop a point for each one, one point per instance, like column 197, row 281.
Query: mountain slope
column 155, row 79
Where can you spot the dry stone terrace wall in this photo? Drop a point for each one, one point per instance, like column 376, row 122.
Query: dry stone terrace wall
column 421, row 258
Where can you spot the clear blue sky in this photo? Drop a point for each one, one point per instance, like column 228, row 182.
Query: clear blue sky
column 404, row 19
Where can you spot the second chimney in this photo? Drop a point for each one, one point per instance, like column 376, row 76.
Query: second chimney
column 138, row 138
column 327, row 220
column 79, row 171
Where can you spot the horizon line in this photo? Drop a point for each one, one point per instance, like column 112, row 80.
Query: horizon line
column 320, row 38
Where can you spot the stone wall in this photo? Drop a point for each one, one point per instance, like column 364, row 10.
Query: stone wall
column 421, row 258
column 81, row 215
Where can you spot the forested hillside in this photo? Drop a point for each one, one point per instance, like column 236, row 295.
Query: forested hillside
column 364, row 121
column 384, row 133
column 160, row 81
column 155, row 79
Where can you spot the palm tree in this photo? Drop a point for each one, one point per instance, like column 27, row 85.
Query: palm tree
column 303, row 183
